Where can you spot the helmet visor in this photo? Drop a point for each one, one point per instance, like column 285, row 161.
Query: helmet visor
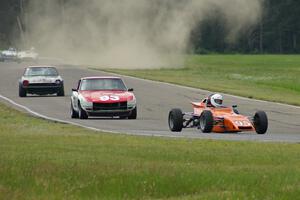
column 219, row 101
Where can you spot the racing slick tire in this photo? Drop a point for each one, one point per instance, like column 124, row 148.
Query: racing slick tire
column 81, row 113
column 133, row 114
column 206, row 121
column 260, row 122
column 61, row 91
column 74, row 114
column 22, row 91
column 175, row 120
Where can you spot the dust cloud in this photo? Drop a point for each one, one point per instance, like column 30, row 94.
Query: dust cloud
column 126, row 33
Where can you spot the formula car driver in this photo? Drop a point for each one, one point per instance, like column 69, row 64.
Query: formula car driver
column 215, row 100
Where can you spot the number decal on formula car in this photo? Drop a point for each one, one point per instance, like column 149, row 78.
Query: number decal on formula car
column 111, row 97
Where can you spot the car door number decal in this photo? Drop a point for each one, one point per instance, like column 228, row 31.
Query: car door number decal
column 110, row 97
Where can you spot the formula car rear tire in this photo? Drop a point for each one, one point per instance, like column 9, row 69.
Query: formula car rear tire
column 175, row 120
column 22, row 92
column 206, row 121
column 81, row 113
column 133, row 114
column 260, row 122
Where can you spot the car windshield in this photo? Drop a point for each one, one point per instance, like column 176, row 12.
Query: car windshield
column 41, row 71
column 102, row 84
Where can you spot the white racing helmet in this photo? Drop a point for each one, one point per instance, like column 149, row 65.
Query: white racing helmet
column 216, row 100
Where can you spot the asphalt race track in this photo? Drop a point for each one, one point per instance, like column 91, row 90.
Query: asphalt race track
column 154, row 102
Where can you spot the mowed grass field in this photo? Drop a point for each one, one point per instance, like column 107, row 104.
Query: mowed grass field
column 46, row 160
column 266, row 77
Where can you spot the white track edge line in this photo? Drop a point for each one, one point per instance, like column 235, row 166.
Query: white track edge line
column 80, row 125
column 265, row 140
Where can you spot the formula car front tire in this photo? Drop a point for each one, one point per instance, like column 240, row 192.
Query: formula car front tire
column 175, row 120
column 206, row 121
column 260, row 122
column 22, row 91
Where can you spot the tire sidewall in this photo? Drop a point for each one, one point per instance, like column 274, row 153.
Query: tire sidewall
column 260, row 121
column 206, row 121
column 61, row 91
column 175, row 120
column 74, row 114
column 81, row 113
column 22, row 91
column 133, row 114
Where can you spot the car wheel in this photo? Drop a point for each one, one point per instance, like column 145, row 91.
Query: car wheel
column 206, row 121
column 133, row 114
column 61, row 92
column 175, row 120
column 260, row 122
column 22, row 91
column 74, row 114
column 81, row 113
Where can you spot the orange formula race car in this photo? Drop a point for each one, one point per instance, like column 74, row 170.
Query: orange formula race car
column 218, row 120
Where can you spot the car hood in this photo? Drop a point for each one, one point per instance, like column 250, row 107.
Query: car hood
column 41, row 79
column 107, row 96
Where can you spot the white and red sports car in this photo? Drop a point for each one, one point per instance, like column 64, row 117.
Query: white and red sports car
column 103, row 96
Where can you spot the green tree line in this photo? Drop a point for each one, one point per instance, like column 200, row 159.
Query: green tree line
column 278, row 30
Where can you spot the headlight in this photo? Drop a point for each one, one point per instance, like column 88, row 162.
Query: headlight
column 85, row 104
column 57, row 81
column 131, row 102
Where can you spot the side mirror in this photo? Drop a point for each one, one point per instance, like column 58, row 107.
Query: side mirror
column 74, row 90
column 130, row 90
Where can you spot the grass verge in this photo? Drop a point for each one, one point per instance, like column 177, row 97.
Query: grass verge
column 265, row 77
column 46, row 160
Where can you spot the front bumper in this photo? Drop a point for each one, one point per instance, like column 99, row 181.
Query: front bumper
column 109, row 113
column 43, row 88
column 115, row 109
